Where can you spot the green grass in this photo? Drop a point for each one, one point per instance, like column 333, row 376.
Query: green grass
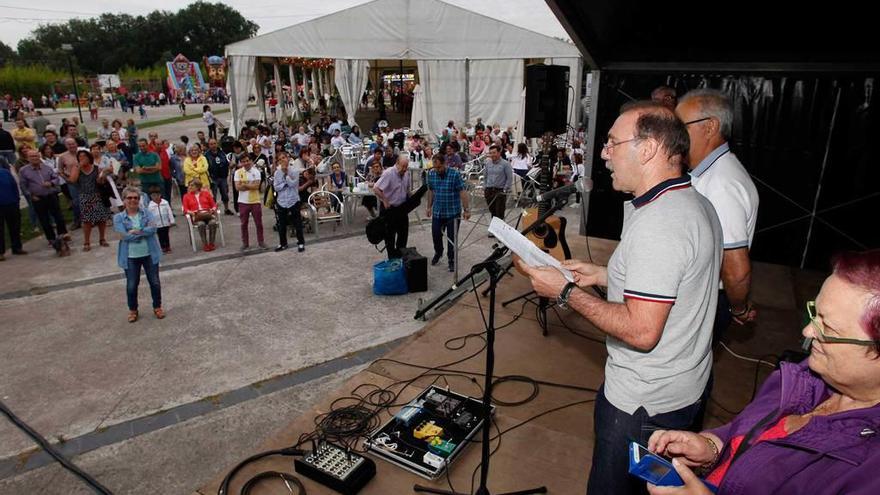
column 27, row 229
column 170, row 120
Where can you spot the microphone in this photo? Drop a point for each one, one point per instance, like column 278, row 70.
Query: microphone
column 582, row 185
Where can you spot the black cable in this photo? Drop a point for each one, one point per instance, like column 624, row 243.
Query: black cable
column 515, row 378
column 575, row 332
column 224, row 486
column 46, row 446
column 288, row 479
column 760, row 361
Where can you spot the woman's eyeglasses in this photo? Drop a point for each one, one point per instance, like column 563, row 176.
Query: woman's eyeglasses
column 820, row 330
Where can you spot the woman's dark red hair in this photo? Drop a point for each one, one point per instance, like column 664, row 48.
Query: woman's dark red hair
column 862, row 269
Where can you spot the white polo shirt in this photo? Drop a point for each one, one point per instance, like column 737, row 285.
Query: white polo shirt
column 723, row 180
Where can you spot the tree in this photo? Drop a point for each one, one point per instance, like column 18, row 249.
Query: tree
column 7, row 54
column 109, row 42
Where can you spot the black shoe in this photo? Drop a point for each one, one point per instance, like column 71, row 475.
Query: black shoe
column 451, row 267
column 20, row 251
column 227, row 212
column 280, row 248
column 436, row 259
column 301, row 248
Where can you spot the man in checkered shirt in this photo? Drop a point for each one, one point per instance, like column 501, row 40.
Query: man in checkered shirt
column 447, row 195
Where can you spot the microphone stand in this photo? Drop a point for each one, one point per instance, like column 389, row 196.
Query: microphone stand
column 490, row 265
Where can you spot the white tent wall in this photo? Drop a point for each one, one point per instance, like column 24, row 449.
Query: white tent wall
column 351, row 81
column 294, row 95
column 259, row 84
column 418, row 118
column 494, row 88
column 443, row 87
column 241, row 80
column 280, row 109
column 489, row 45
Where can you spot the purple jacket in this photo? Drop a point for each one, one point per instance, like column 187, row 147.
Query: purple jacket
column 836, row 454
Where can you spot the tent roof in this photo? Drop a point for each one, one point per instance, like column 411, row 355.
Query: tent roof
column 747, row 35
column 404, row 29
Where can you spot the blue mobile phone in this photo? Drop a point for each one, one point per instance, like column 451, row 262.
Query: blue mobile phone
column 655, row 469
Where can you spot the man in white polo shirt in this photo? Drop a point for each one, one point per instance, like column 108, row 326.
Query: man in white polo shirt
column 247, row 183
column 717, row 174
column 662, row 288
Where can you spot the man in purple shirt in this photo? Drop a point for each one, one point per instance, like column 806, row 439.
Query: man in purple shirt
column 392, row 191
column 42, row 184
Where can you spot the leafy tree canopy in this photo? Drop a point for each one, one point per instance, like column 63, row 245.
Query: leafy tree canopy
column 107, row 43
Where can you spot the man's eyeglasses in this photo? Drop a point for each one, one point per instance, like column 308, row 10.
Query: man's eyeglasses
column 609, row 144
column 820, row 332
column 133, row 198
column 696, row 121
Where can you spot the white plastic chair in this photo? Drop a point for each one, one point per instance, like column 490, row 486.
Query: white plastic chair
column 192, row 229
column 325, row 207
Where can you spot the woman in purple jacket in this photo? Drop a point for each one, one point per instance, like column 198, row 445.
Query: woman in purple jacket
column 815, row 426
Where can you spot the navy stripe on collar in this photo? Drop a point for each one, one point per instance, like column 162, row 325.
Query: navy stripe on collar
column 680, row 182
column 710, row 159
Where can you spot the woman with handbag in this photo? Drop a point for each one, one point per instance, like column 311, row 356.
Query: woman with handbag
column 199, row 205
column 94, row 207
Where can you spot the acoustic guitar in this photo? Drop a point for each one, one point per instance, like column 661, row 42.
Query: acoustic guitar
column 550, row 235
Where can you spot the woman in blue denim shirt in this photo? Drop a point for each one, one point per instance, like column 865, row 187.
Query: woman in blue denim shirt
column 138, row 248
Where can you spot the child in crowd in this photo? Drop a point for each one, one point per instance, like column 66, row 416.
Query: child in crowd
column 160, row 208
column 142, row 111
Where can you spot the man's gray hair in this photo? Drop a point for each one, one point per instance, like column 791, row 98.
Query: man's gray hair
column 713, row 103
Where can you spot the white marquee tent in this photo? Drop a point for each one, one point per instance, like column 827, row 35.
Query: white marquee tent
column 469, row 65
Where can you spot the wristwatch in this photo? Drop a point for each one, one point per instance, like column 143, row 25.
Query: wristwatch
column 562, row 298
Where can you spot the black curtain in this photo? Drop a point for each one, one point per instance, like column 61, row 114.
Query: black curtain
column 781, row 135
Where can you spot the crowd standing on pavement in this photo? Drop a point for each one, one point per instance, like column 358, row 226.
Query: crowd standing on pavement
column 57, row 165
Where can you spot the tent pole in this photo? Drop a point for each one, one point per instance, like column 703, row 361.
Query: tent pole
column 467, row 90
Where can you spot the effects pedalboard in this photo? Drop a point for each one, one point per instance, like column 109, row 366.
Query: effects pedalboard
column 332, row 466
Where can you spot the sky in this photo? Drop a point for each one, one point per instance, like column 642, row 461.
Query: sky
column 18, row 19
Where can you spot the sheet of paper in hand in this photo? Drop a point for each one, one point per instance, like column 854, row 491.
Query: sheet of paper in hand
column 524, row 248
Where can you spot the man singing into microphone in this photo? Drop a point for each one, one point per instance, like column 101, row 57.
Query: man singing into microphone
column 662, row 284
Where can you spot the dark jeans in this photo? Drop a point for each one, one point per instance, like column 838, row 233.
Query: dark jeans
column 133, row 278
column 615, row 429
column 221, row 184
column 438, row 226
column 47, row 206
column 164, row 241
column 73, row 193
column 723, row 317
column 166, row 190
column 10, row 217
column 286, row 218
column 396, row 230
column 495, row 200
column 212, row 131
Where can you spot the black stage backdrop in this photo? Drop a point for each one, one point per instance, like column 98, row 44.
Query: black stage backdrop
column 805, row 140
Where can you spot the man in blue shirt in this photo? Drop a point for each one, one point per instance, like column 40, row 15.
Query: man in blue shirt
column 287, row 203
column 10, row 215
column 447, row 195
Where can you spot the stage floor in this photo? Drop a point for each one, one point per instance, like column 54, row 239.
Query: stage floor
column 541, row 448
